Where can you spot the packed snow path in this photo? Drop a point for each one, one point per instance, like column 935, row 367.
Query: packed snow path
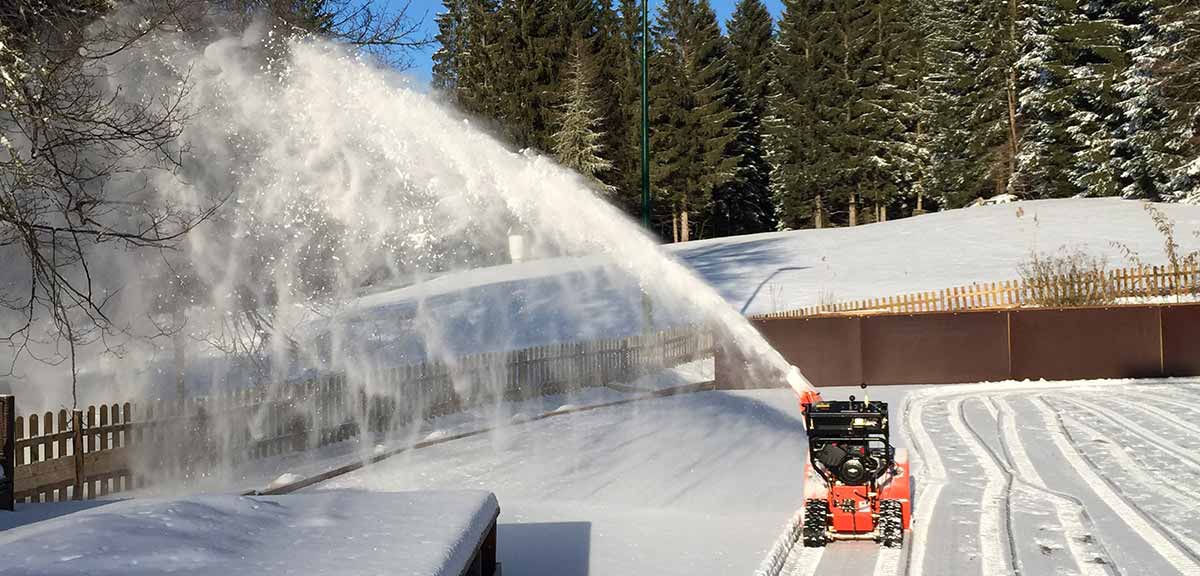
column 1088, row 478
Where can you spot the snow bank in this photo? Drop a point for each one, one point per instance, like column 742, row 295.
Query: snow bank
column 339, row 533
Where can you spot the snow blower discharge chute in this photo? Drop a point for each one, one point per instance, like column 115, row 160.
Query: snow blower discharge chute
column 857, row 484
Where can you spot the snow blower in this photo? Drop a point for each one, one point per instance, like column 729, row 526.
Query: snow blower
column 857, row 484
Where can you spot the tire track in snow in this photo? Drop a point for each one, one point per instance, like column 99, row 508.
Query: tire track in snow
column 1026, row 472
column 789, row 557
column 889, row 562
column 1178, row 422
column 991, row 543
column 803, row 561
column 1163, row 543
column 1176, row 493
column 933, row 477
column 1178, row 452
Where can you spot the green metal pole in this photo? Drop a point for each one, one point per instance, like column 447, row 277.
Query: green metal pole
column 645, row 118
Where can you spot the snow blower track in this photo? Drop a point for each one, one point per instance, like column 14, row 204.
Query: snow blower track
column 1027, row 487
column 1023, row 478
column 1040, row 478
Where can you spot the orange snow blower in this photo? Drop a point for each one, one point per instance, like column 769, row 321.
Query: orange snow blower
column 857, row 484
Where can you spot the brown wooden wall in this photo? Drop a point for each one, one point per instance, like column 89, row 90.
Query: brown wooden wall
column 1136, row 341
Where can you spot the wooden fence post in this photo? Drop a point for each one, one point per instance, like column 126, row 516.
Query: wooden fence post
column 77, row 444
column 8, row 468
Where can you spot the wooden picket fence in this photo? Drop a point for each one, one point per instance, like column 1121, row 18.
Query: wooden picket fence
column 1081, row 289
column 116, row 447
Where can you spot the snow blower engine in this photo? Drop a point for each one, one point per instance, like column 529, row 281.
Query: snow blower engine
column 857, row 484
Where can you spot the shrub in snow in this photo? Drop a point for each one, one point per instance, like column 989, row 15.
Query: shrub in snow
column 1068, row 278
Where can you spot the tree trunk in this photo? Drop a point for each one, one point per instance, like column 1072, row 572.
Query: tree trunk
column 818, row 213
column 1012, row 125
column 674, row 225
column 179, row 350
column 1012, row 92
column 854, row 209
column 684, row 235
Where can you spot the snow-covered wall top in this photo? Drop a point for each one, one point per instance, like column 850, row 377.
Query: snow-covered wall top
column 419, row 533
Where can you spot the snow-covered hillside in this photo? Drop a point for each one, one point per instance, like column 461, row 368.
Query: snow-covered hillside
column 784, row 270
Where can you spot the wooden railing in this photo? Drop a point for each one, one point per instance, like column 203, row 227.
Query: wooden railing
column 115, row 447
column 1080, row 289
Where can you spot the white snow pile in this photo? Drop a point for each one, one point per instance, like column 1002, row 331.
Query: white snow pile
column 332, row 532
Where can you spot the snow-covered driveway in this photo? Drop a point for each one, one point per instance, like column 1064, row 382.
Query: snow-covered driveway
column 1084, row 478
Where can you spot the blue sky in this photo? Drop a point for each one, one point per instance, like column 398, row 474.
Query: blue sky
column 427, row 9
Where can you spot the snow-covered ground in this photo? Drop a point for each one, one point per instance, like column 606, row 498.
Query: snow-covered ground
column 693, row 484
column 704, row 483
column 786, row 270
column 332, row 533
column 1087, row 478
column 1083, row 478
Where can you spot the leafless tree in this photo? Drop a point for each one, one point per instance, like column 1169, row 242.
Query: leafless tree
column 388, row 30
column 79, row 159
column 66, row 137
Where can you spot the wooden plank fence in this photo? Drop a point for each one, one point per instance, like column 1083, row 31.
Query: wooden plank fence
column 1080, row 289
column 8, row 409
column 89, row 453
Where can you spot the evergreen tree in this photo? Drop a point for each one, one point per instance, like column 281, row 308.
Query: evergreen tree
column 577, row 143
column 1142, row 147
column 744, row 204
column 971, row 86
column 1180, row 83
column 849, row 69
column 694, row 121
column 627, row 141
column 1072, row 60
column 1046, row 77
column 618, row 94
column 452, row 46
column 480, row 65
column 899, row 101
column 535, row 44
column 793, row 132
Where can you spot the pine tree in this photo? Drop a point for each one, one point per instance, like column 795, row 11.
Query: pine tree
column 694, row 121
column 536, row 43
column 1072, row 60
column 617, row 47
column 577, row 142
column 479, row 67
column 792, row 127
column 744, row 205
column 899, row 100
column 1180, row 83
column 971, row 88
column 1142, row 147
column 451, row 26
column 848, row 71
column 1047, row 102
